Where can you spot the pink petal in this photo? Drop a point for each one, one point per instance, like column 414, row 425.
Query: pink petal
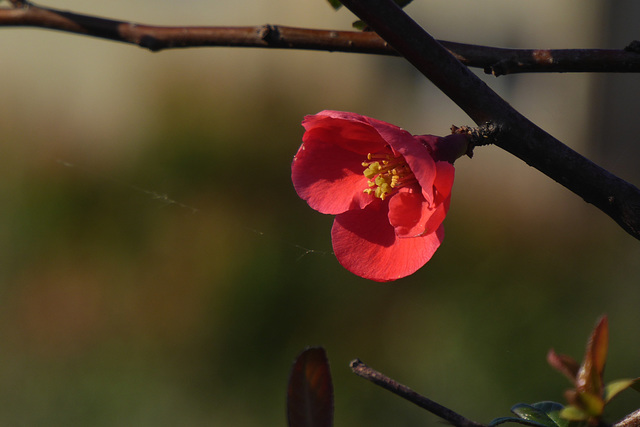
column 327, row 170
column 413, row 216
column 347, row 130
column 444, row 178
column 344, row 115
column 436, row 217
column 409, row 213
column 366, row 244
column 415, row 153
column 329, row 177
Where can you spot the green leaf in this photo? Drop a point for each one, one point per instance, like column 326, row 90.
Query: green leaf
column 591, row 404
column 573, row 413
column 548, row 406
column 503, row 420
column 335, row 4
column 533, row 413
column 615, row 387
column 552, row 410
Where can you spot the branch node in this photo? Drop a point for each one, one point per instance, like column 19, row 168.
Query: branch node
column 151, row 43
column 502, row 67
column 488, row 133
column 269, row 33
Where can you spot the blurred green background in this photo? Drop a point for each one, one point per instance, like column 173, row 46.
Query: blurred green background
column 158, row 269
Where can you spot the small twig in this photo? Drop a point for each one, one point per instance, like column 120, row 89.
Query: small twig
column 364, row 371
column 493, row 60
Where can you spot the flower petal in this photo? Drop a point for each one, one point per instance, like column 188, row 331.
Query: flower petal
column 416, row 154
column 327, row 170
column 347, row 130
column 329, row 178
column 445, row 173
column 437, row 216
column 366, row 244
column 413, row 216
column 408, row 213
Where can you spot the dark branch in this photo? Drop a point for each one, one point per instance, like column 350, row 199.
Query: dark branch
column 614, row 196
column 405, row 392
column 498, row 61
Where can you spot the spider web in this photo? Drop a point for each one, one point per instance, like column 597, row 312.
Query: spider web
column 166, row 200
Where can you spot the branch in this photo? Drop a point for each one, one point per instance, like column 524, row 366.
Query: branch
column 614, row 196
column 630, row 420
column 497, row 61
column 405, row 392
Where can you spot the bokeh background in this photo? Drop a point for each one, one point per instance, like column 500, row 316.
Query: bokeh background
column 158, row 269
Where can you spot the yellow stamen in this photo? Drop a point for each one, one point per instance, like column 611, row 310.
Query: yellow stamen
column 386, row 174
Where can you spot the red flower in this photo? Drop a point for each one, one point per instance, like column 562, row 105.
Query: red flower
column 389, row 189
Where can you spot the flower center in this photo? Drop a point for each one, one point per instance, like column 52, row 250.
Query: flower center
column 386, row 174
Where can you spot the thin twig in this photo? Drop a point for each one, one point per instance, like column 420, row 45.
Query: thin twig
column 519, row 136
column 378, row 378
column 492, row 60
